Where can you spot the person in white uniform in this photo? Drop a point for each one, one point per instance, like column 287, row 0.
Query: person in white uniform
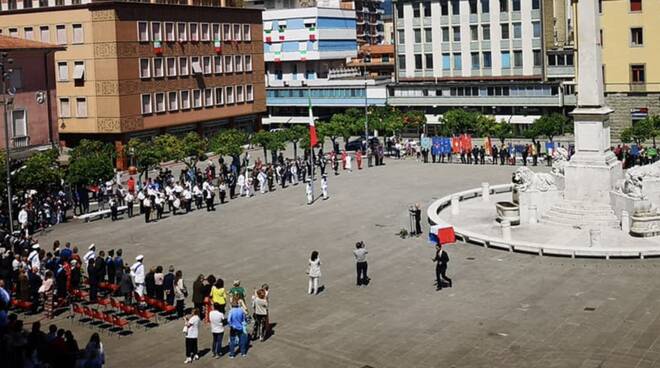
column 137, row 273
column 91, row 253
column 309, row 192
column 324, row 186
column 33, row 257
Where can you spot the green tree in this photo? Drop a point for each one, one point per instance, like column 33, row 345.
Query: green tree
column 277, row 142
column 331, row 129
column 228, row 142
column 169, row 147
column 414, row 119
column 639, row 132
column 295, row 134
column 459, row 121
column 343, row 125
column 488, row 127
column 147, row 155
column 193, row 149
column 40, row 171
column 91, row 161
column 263, row 138
column 550, row 125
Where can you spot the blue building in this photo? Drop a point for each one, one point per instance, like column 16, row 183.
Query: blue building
column 306, row 51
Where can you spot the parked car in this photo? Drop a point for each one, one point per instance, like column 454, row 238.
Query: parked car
column 356, row 144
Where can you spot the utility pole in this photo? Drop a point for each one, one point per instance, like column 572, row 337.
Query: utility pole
column 5, row 76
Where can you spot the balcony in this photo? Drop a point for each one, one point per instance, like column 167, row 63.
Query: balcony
column 20, row 142
column 638, row 87
column 560, row 71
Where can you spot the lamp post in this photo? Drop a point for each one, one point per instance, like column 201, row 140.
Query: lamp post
column 5, row 75
column 366, row 104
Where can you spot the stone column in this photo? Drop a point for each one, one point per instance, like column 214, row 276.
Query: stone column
column 485, row 192
column 625, row 222
column 506, row 230
column 455, row 205
column 594, row 237
column 533, row 214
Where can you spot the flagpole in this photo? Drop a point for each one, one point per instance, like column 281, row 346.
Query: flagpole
column 311, row 147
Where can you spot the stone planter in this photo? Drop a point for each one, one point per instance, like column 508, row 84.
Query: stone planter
column 508, row 211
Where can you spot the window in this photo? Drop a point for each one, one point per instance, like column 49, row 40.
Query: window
column 229, row 68
column 27, row 4
column 515, row 4
column 402, row 62
column 159, row 70
column 455, row 7
column 183, row 66
column 19, row 124
column 473, row 6
column 196, row 65
column 159, row 102
column 636, row 37
column 536, row 29
column 517, row 59
column 78, row 35
column 445, row 34
column 538, row 57
column 81, row 107
column 536, row 4
column 206, row 65
column 428, row 60
column 62, row 71
column 65, row 108
column 78, row 70
column 399, row 10
column 217, row 64
column 428, row 35
column 146, row 104
column 457, row 33
column 219, row 96
column 171, row 67
column 401, row 37
column 418, row 35
column 13, row 32
column 185, row 100
column 29, row 33
column 427, row 9
column 44, row 34
column 635, row 5
column 474, row 33
column 226, row 32
column 457, row 62
column 145, row 68
column 143, row 31
column 182, row 32
column 229, row 94
column 194, row 31
column 504, row 6
column 506, row 60
column 156, row 31
column 485, row 6
column 444, row 8
column 248, row 63
column 197, row 98
column 240, row 97
column 415, row 6
column 61, row 34
column 169, row 32
column 446, row 62
column 485, row 32
column 206, row 32
column 637, row 73
column 247, row 34
column 517, row 31
column 418, row 61
column 237, row 32
column 249, row 93
column 216, row 32
column 172, row 101
column 505, row 31
column 487, row 59
column 238, row 62
column 475, row 60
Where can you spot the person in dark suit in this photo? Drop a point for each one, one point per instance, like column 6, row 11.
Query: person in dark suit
column 110, row 267
column 168, row 285
column 99, row 267
column 417, row 214
column 93, row 278
column 441, row 259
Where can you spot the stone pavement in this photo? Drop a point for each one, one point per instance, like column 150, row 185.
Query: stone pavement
column 505, row 309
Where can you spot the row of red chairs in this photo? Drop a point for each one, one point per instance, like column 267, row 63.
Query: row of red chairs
column 96, row 315
column 25, row 305
column 131, row 310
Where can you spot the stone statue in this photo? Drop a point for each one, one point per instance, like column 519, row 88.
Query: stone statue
column 559, row 161
column 527, row 180
column 632, row 185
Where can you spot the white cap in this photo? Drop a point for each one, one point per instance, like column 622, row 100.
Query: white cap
column 91, row 246
column 73, row 261
column 139, row 258
column 36, row 246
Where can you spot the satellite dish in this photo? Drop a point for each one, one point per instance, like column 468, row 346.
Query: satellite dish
column 40, row 96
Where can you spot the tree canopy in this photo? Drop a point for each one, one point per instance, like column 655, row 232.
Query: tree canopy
column 40, row 171
column 549, row 126
column 639, row 132
column 90, row 162
column 459, row 121
column 228, row 142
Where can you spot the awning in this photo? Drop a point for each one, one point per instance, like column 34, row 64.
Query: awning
column 197, row 69
column 282, row 22
column 310, row 21
column 79, row 71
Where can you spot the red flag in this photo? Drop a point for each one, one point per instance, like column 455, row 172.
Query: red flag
column 313, row 140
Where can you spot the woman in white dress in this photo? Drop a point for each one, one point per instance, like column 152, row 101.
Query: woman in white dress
column 349, row 165
column 314, row 273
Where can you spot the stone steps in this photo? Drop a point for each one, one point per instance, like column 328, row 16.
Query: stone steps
column 581, row 214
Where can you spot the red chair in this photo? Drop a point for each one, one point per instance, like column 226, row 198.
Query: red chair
column 120, row 323
column 139, row 299
column 147, row 316
column 76, row 310
column 151, row 301
column 164, row 307
column 103, row 302
column 114, row 304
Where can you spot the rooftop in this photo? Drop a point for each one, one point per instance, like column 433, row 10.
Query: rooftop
column 13, row 43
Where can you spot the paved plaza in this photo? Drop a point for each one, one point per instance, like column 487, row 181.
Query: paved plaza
column 505, row 309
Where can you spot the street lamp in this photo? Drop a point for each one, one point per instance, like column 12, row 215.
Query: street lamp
column 7, row 99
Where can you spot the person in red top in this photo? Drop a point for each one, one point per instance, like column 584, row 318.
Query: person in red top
column 131, row 185
column 358, row 159
column 343, row 160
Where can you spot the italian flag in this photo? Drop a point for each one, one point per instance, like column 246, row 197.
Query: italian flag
column 313, row 140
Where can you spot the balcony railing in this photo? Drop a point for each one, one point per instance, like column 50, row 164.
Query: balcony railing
column 20, row 142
